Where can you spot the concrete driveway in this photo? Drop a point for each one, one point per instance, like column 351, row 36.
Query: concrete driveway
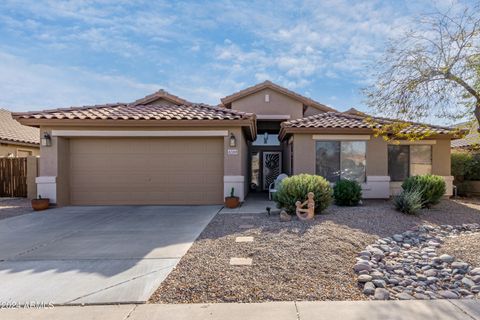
column 108, row 254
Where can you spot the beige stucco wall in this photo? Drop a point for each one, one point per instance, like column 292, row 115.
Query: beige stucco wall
column 377, row 157
column 303, row 154
column 32, row 173
column 279, row 104
column 441, row 161
column 377, row 182
column 161, row 101
column 63, row 173
column 7, row 148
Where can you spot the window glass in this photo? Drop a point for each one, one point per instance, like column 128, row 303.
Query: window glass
column 420, row 160
column 266, row 139
column 337, row 160
column 327, row 162
column 398, row 162
column 353, row 154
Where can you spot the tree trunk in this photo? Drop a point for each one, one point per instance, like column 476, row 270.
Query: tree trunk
column 477, row 114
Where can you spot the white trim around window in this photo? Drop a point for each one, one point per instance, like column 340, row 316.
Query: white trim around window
column 133, row 133
column 417, row 142
column 341, row 137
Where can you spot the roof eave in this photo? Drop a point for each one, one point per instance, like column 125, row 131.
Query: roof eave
column 285, row 132
column 19, row 142
column 249, row 123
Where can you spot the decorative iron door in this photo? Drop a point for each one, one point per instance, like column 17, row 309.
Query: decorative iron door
column 272, row 164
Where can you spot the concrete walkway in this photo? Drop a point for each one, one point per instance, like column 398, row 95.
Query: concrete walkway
column 254, row 203
column 344, row 310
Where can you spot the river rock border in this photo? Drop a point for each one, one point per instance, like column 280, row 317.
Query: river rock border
column 406, row 266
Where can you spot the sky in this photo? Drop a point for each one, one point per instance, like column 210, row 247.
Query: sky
column 71, row 53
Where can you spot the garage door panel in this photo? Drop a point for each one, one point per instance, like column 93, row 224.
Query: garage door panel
column 146, row 170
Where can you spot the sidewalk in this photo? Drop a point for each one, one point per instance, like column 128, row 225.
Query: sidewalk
column 344, row 310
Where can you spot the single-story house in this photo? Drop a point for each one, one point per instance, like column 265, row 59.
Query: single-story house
column 162, row 149
column 17, row 140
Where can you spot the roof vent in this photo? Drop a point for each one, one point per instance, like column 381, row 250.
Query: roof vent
column 267, row 98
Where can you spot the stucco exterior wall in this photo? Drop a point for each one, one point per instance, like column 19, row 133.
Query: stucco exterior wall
column 303, row 154
column 377, row 184
column 6, row 149
column 441, row 160
column 377, row 157
column 161, row 101
column 63, row 173
column 279, row 104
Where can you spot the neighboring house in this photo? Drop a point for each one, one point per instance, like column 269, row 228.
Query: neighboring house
column 17, row 140
column 164, row 150
column 471, row 141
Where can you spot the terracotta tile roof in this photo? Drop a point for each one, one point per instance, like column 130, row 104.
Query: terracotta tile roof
column 226, row 101
column 471, row 140
column 335, row 120
column 137, row 112
column 12, row 130
column 161, row 94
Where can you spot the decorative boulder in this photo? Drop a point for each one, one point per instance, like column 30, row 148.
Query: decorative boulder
column 284, row 216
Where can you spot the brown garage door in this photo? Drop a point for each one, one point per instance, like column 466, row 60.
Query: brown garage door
column 146, row 171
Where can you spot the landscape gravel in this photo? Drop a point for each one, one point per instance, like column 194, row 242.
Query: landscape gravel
column 295, row 260
column 465, row 247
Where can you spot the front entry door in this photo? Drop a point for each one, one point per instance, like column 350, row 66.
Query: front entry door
column 272, row 164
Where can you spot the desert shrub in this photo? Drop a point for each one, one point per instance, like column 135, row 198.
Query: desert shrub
column 408, row 202
column 431, row 187
column 465, row 165
column 295, row 188
column 347, row 193
column 473, row 168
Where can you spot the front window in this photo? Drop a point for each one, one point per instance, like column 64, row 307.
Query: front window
column 266, row 139
column 337, row 160
column 408, row 160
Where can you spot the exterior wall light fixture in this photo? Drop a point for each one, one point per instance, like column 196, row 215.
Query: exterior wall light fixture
column 46, row 140
column 233, row 140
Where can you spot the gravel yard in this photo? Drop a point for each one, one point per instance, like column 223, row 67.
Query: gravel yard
column 465, row 247
column 11, row 207
column 292, row 260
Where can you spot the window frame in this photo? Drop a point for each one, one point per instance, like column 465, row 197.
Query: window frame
column 409, row 159
column 340, row 156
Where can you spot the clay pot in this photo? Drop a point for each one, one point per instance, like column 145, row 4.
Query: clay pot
column 40, row 204
column 232, row 202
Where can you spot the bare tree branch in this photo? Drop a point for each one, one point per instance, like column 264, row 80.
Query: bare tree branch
column 432, row 70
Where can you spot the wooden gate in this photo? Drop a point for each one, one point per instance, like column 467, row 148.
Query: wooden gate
column 13, row 177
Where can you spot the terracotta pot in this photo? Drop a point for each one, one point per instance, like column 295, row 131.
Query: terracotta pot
column 232, row 202
column 40, row 204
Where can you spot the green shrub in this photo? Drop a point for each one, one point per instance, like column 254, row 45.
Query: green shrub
column 473, row 172
column 466, row 165
column 347, row 193
column 408, row 202
column 460, row 163
column 295, row 188
column 431, row 187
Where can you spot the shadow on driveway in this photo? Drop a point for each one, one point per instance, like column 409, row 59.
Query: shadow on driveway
column 95, row 254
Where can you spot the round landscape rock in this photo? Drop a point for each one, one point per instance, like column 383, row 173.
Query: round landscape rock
column 406, row 266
